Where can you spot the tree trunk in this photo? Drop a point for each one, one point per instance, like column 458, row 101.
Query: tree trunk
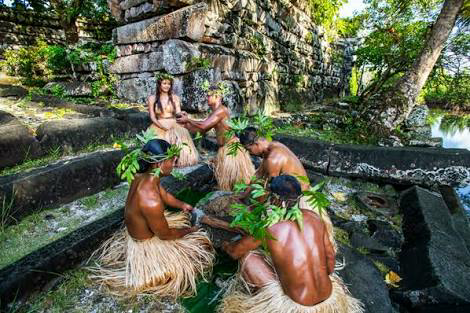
column 399, row 102
column 67, row 19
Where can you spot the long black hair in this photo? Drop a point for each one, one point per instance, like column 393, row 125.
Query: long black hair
column 170, row 94
column 156, row 147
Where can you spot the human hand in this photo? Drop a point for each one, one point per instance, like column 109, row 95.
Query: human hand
column 193, row 229
column 187, row 207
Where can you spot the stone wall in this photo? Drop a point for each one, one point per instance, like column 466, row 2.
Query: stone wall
column 22, row 28
column 268, row 51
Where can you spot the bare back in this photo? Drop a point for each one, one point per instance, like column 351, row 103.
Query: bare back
column 303, row 260
column 281, row 160
column 142, row 193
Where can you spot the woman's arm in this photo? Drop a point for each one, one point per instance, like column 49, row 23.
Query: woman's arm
column 153, row 117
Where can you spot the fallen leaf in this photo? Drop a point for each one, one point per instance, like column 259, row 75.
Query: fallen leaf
column 339, row 196
column 117, row 146
column 392, row 279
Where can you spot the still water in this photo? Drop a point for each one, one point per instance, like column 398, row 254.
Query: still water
column 455, row 132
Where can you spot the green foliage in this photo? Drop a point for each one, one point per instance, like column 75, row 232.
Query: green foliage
column 257, row 44
column 353, row 82
column 58, row 90
column 349, row 27
column 309, row 37
column 129, row 164
column 198, row 63
column 323, row 12
column 261, row 213
column 42, row 62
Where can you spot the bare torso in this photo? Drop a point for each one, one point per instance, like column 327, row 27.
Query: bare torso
column 166, row 117
column 300, row 259
column 285, row 162
column 221, row 127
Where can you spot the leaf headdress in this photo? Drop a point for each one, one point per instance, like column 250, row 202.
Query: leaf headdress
column 129, row 164
column 164, row 76
column 262, row 123
column 218, row 89
column 256, row 217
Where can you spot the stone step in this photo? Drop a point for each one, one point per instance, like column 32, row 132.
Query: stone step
column 18, row 144
column 62, row 182
column 393, row 165
column 36, row 268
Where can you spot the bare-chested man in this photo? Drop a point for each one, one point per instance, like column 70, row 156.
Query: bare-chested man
column 280, row 160
column 228, row 169
column 295, row 275
column 158, row 252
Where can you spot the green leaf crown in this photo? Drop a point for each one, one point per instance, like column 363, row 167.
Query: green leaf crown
column 163, row 76
column 129, row 164
column 256, row 217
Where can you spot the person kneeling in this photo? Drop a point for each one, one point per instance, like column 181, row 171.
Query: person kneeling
column 157, row 252
column 296, row 273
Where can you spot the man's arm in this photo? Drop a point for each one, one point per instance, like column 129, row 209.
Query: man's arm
column 238, row 249
column 205, row 125
column 329, row 252
column 170, row 200
column 159, row 226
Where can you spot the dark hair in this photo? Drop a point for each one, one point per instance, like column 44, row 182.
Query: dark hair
column 156, row 147
column 287, row 187
column 170, row 94
column 248, row 136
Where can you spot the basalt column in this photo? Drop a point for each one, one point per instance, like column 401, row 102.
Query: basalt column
column 267, row 51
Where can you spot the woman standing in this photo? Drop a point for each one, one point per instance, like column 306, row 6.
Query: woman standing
column 163, row 108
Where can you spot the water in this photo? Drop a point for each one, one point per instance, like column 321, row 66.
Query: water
column 455, row 132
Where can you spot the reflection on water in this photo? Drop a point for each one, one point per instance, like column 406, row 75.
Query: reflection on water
column 455, row 132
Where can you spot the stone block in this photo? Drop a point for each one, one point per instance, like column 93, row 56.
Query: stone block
column 73, row 88
column 434, row 259
column 74, row 134
column 187, row 22
column 16, row 142
column 177, row 54
column 417, row 117
column 364, row 281
column 136, row 63
column 194, row 99
column 137, row 89
column 12, row 91
column 127, row 4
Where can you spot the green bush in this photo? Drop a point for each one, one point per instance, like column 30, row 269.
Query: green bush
column 353, row 82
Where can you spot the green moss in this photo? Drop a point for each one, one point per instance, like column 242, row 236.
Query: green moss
column 342, row 236
column 40, row 228
column 381, row 267
column 89, row 202
column 363, row 250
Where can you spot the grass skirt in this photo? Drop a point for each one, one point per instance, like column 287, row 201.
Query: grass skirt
column 161, row 267
column 239, row 298
column 230, row 170
column 303, row 204
column 179, row 135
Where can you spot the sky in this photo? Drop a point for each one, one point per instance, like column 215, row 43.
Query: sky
column 348, row 9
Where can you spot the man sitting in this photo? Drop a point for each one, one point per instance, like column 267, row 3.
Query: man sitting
column 280, row 160
column 296, row 272
column 229, row 169
column 157, row 252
